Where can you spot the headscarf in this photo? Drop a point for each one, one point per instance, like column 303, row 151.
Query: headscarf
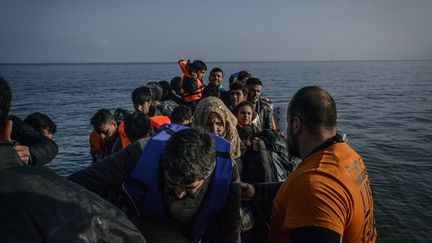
column 212, row 104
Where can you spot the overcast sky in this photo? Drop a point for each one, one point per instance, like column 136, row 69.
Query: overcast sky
column 223, row 30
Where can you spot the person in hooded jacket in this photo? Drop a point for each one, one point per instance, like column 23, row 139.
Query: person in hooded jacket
column 212, row 114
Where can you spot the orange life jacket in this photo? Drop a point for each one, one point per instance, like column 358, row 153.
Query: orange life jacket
column 125, row 141
column 157, row 121
column 190, row 97
column 96, row 142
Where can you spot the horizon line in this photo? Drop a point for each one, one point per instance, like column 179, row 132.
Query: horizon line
column 169, row 62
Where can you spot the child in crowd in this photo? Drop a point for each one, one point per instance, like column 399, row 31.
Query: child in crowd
column 191, row 83
column 248, row 122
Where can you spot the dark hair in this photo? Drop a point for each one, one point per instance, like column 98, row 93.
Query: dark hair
column 211, row 90
column 199, row 65
column 5, row 100
column 238, row 85
column 216, row 69
column 39, row 121
column 120, row 114
column 166, row 87
column 239, row 76
column 253, row 81
column 176, row 83
column 101, row 117
column 189, row 155
column 137, row 126
column 140, row 95
column 244, row 75
column 180, row 114
column 315, row 107
column 241, row 104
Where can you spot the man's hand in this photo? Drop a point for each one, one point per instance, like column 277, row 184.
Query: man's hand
column 247, row 191
column 23, row 152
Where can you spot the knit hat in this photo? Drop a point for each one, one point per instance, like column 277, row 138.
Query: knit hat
column 253, row 81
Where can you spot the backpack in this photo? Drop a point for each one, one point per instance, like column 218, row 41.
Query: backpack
column 274, row 156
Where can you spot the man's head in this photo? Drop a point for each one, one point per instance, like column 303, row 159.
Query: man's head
column 216, row 76
column 238, row 93
column 41, row 123
column 176, row 83
column 187, row 160
column 141, row 98
column 254, row 87
column 241, row 77
column 200, row 68
column 120, row 114
column 181, row 115
column 166, row 87
column 137, row 126
column 311, row 110
column 103, row 122
column 5, row 100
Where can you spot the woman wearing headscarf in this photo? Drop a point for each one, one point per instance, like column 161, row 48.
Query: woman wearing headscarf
column 212, row 114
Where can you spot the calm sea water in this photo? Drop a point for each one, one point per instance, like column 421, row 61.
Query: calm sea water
column 385, row 107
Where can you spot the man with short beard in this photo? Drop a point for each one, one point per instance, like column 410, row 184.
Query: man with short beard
column 328, row 196
column 263, row 106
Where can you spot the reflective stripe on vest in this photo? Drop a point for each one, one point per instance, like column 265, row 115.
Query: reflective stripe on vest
column 144, row 189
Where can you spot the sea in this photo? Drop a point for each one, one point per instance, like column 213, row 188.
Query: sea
column 385, row 108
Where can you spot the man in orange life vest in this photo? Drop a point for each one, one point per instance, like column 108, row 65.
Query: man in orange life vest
column 328, row 196
column 103, row 136
column 192, row 84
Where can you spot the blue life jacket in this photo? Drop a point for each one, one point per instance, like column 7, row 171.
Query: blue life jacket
column 144, row 186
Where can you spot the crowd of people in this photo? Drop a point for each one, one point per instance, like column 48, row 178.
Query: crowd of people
column 196, row 163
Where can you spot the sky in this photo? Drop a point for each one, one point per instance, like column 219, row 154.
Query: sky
column 66, row 31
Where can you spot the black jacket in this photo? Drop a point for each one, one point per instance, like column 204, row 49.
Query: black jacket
column 37, row 205
column 264, row 109
column 42, row 149
column 113, row 170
